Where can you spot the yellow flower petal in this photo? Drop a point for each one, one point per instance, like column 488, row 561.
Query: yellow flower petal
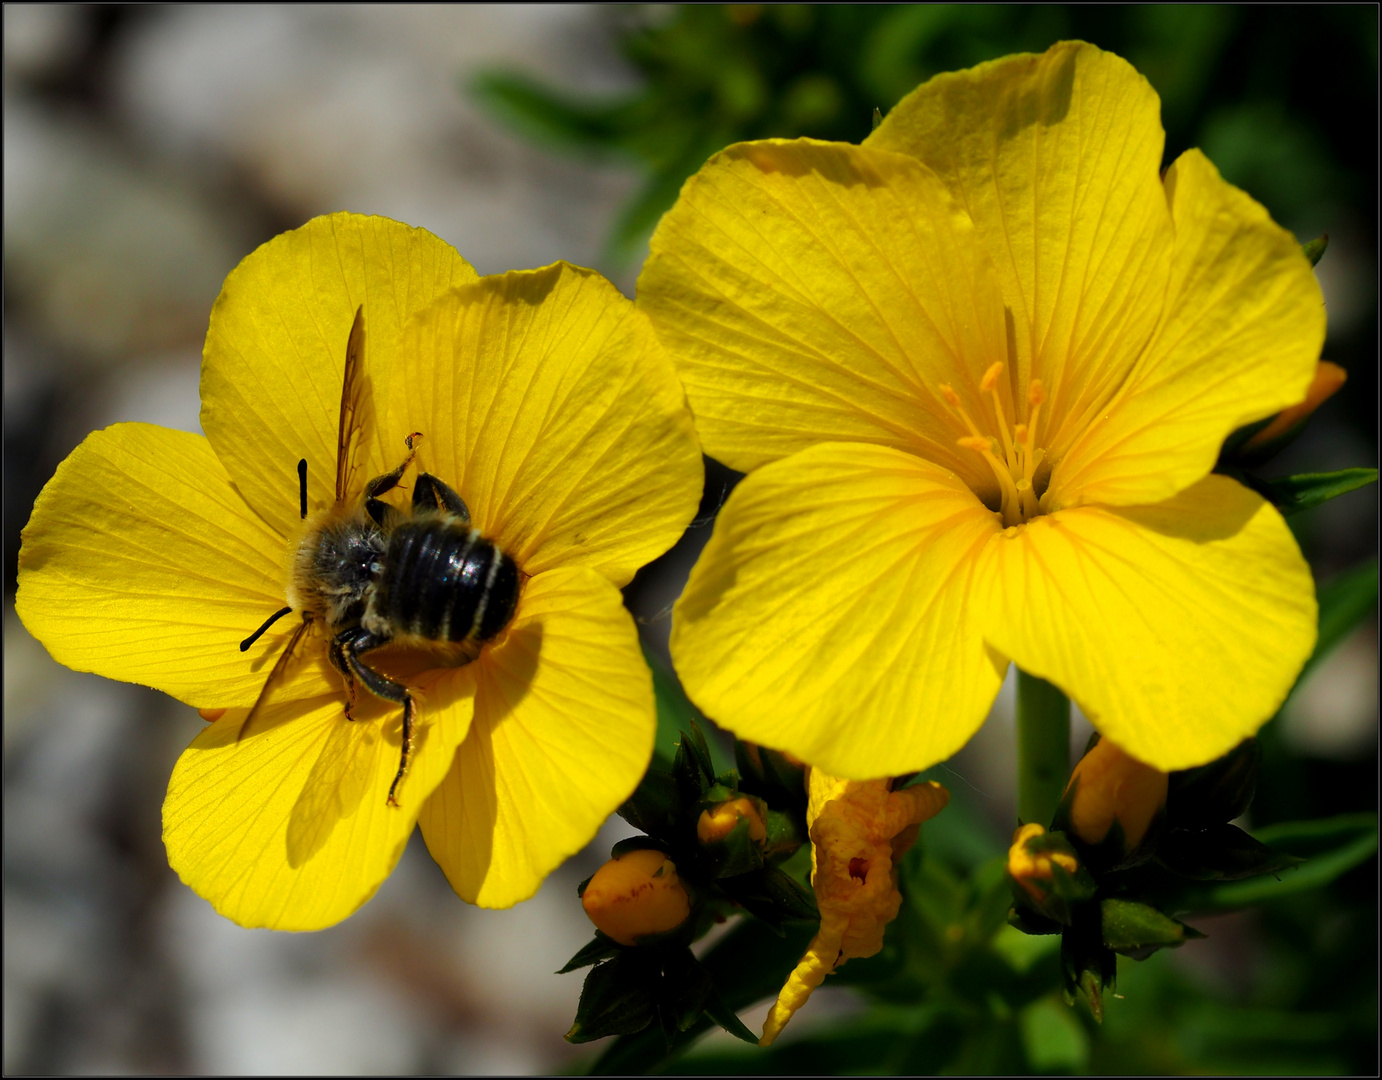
column 142, row 563
column 1239, row 340
column 275, row 352
column 814, row 292
column 1056, row 158
column 829, row 615
column 564, row 722
column 1178, row 628
column 545, row 400
column 859, row 829
column 289, row 827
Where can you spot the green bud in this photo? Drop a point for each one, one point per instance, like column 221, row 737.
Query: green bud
column 1088, row 967
column 1138, row 930
column 1315, row 249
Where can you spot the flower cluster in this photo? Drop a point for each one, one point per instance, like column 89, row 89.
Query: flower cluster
column 993, row 377
column 1126, row 842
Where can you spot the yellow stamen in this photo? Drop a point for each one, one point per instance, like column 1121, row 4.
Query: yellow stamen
column 1036, row 397
column 989, row 385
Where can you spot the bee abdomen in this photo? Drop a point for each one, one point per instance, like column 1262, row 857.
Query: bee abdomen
column 445, row 582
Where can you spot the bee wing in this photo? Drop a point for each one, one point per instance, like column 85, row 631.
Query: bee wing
column 280, row 666
column 357, row 412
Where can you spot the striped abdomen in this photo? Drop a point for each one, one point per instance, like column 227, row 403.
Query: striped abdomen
column 443, row 581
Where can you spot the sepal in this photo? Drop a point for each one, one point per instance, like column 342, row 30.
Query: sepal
column 773, row 896
column 1220, row 853
column 615, row 998
column 1217, row 792
column 1137, row 930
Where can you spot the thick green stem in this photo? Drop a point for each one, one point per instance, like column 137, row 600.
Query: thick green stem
column 1043, row 748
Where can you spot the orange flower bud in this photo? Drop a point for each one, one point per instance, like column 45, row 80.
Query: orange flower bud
column 636, row 894
column 1110, row 786
column 1328, row 378
column 719, row 823
column 1032, row 870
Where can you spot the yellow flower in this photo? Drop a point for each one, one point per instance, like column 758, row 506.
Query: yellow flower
column 545, row 401
column 637, row 894
column 978, row 370
column 859, row 829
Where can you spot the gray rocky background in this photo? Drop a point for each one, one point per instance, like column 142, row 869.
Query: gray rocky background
column 147, row 150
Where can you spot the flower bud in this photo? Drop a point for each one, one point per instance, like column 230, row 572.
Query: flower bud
column 1283, row 427
column 1031, row 868
column 636, row 894
column 717, row 823
column 1046, row 869
column 1109, row 786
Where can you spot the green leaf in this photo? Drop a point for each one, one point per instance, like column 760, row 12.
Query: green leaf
column 601, row 948
column 1344, row 600
column 1304, row 491
column 1329, row 846
column 1315, row 249
column 543, row 115
column 1052, row 1038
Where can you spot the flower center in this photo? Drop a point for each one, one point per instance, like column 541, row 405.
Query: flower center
column 1013, row 457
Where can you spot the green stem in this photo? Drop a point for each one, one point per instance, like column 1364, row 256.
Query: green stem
column 1043, row 748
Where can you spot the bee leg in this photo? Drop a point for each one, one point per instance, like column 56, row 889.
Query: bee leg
column 429, row 493
column 356, row 641
column 380, row 511
column 336, row 653
column 389, row 480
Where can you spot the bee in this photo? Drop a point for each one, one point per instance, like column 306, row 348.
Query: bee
column 370, row 574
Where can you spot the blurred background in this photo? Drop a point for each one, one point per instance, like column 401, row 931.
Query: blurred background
column 148, row 149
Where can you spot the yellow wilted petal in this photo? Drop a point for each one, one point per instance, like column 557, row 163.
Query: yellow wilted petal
column 547, row 402
column 142, row 563
column 564, row 722
column 1239, row 340
column 275, row 352
column 830, row 614
column 814, row 292
column 858, row 831
column 1056, row 157
column 289, row 826
column 1178, row 628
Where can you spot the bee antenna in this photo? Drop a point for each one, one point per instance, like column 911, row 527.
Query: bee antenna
column 245, row 645
column 302, row 498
